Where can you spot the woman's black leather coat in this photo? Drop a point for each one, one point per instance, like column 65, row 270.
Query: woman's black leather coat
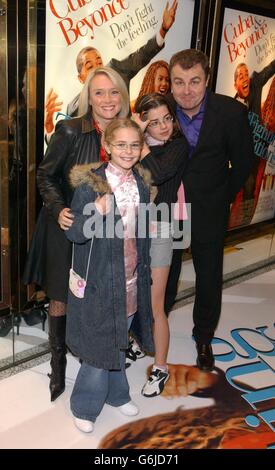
column 74, row 142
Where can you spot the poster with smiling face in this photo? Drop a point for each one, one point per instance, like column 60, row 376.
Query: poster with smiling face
column 246, row 71
column 127, row 35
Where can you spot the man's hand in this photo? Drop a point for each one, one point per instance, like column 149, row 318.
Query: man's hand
column 168, row 17
column 185, row 380
column 65, row 218
column 140, row 120
column 52, row 106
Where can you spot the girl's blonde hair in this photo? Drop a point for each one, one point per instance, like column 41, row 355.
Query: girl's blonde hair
column 122, row 123
column 118, row 83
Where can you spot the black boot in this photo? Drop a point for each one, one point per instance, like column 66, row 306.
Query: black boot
column 57, row 332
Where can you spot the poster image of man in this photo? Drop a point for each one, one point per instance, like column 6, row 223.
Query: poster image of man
column 249, row 92
column 245, row 69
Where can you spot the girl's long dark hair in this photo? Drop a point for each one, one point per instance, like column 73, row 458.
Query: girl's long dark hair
column 154, row 101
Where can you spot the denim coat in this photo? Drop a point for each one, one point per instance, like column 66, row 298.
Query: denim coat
column 97, row 324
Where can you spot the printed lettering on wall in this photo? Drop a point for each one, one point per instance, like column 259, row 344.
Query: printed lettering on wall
column 117, row 30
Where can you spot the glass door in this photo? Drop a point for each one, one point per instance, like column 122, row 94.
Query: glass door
column 5, row 301
column 22, row 327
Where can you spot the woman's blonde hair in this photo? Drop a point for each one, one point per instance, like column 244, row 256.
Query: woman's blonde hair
column 118, row 83
column 122, row 123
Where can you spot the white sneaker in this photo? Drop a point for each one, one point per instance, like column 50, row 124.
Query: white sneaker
column 155, row 384
column 84, row 425
column 129, row 409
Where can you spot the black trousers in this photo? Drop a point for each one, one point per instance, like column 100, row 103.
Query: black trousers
column 208, row 265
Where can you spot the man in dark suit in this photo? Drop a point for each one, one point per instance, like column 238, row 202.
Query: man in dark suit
column 221, row 156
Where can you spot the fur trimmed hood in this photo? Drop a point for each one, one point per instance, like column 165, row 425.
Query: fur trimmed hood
column 87, row 174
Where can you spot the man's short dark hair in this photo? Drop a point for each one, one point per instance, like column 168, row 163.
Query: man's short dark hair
column 187, row 58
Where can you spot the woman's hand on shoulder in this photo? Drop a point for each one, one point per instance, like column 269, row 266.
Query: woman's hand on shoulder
column 141, row 120
column 65, row 218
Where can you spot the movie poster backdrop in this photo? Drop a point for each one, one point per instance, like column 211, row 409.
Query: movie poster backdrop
column 224, row 412
column 246, row 72
column 116, row 28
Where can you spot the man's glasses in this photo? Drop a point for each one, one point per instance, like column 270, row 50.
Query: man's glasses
column 157, row 122
column 123, row 146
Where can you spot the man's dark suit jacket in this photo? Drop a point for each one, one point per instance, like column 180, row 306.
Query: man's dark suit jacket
column 219, row 165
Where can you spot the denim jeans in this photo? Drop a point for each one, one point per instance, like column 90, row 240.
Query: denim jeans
column 94, row 387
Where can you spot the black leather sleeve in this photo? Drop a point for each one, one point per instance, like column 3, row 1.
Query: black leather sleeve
column 51, row 173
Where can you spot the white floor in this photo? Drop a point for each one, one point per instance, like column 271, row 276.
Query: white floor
column 236, row 257
column 28, row 338
column 30, row 421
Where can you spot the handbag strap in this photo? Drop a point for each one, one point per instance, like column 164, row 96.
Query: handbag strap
column 89, row 259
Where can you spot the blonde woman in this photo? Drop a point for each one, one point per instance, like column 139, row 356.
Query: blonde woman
column 75, row 141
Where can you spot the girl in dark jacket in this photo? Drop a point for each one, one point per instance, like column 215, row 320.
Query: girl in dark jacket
column 75, row 141
column 166, row 156
column 111, row 267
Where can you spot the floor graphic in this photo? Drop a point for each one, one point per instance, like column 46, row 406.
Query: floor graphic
column 232, row 407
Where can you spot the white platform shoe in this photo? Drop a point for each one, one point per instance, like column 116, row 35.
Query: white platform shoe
column 84, row 425
column 129, row 409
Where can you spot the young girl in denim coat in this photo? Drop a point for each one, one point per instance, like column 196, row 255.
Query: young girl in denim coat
column 113, row 262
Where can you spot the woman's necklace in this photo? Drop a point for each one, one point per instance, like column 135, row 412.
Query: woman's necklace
column 102, row 152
